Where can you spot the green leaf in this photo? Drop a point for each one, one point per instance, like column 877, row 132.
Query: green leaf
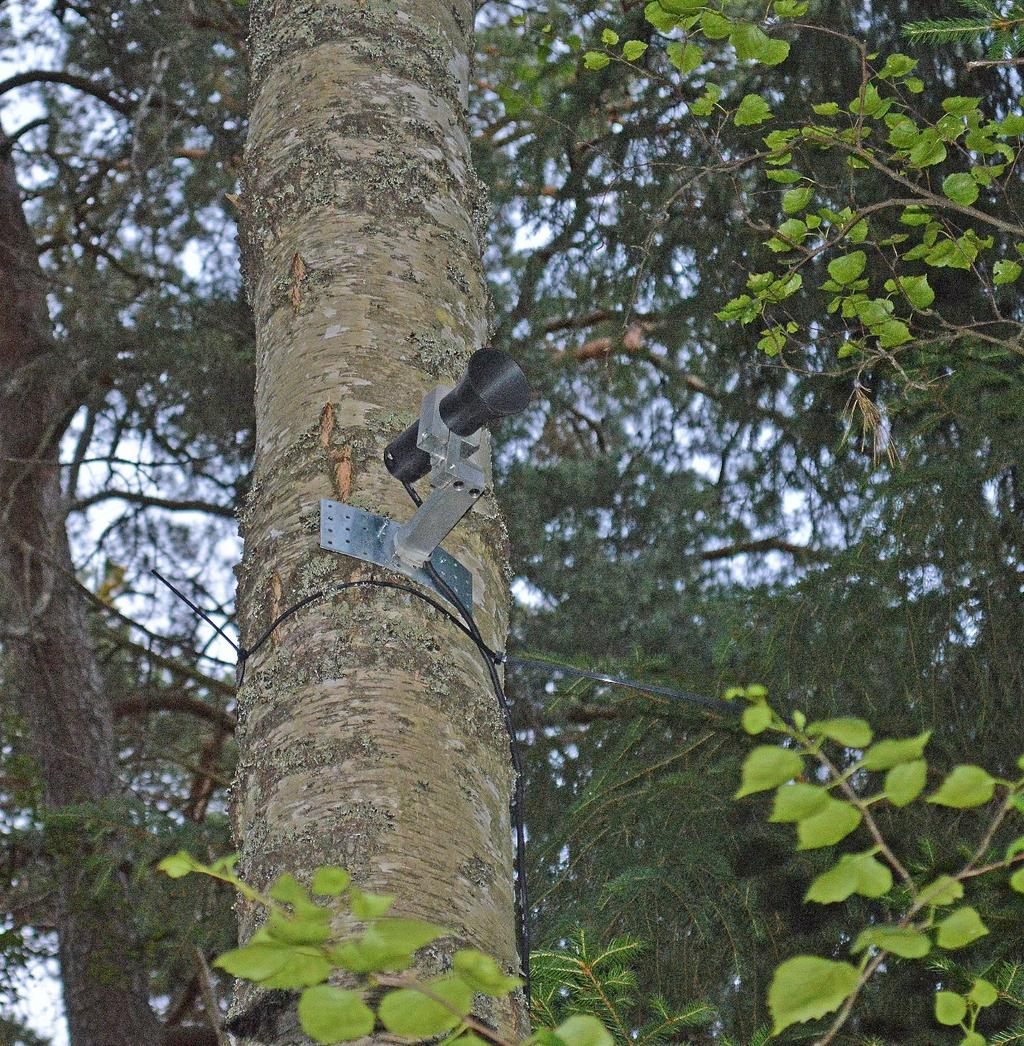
column 794, row 200
column 827, row 109
column 595, row 60
column 944, row 890
column 409, row 1012
column 715, row 26
column 661, row 19
column 328, row 1014
column 685, row 57
column 609, row 37
column 253, row 961
column 405, row 935
column 873, row 311
column 756, row 718
column 1006, row 271
column 960, row 105
column 928, row 151
column 950, row 1008
column 794, row 802
column 903, row 132
column 750, row 41
column 330, row 881
column 915, row 214
column 960, row 928
column 705, row 105
column 793, row 228
column 305, row 929
column 892, row 333
column 908, row 944
column 633, row 49
column 897, row 65
column 884, row 755
column 852, row 733
column 305, row 967
column 960, row 188
column 743, row 308
column 369, row 905
column 225, row 865
column 983, row 993
column 753, row 110
column 482, row 973
column 584, row 1030
column 828, row 826
column 965, row 786
column 952, row 254
column 973, row 1038
column 853, row 873
column 277, row 965
column 872, row 104
column 904, row 783
column 1012, row 126
column 806, row 987
column 766, row 767
column 771, row 342
column 387, row 944
column 287, row 889
column 847, row 267
column 916, row 289
column 178, row 864
column 370, row 953
column 1017, row 880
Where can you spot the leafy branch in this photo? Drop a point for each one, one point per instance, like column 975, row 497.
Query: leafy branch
column 296, row 949
column 856, row 774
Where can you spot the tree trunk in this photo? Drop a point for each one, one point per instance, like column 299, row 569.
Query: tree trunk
column 368, row 733
column 50, row 660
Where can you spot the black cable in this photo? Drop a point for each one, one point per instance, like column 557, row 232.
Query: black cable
column 244, row 653
column 648, row 688
column 198, row 610
column 518, row 810
column 517, row 806
column 363, row 583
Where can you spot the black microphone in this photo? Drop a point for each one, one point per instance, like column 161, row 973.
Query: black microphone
column 493, row 387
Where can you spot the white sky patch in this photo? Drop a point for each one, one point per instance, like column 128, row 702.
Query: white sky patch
column 40, row 1005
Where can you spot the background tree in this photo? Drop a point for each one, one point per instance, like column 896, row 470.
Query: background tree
column 121, row 121
column 719, row 513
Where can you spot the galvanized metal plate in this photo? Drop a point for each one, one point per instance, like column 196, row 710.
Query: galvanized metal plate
column 371, row 538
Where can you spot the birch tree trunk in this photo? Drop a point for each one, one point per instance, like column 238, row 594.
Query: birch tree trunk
column 50, row 666
column 368, row 733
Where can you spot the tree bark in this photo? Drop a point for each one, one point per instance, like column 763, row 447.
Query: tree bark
column 53, row 672
column 368, row 734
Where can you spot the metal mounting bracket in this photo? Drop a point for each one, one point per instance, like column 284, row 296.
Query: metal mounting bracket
column 459, row 473
column 371, row 538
